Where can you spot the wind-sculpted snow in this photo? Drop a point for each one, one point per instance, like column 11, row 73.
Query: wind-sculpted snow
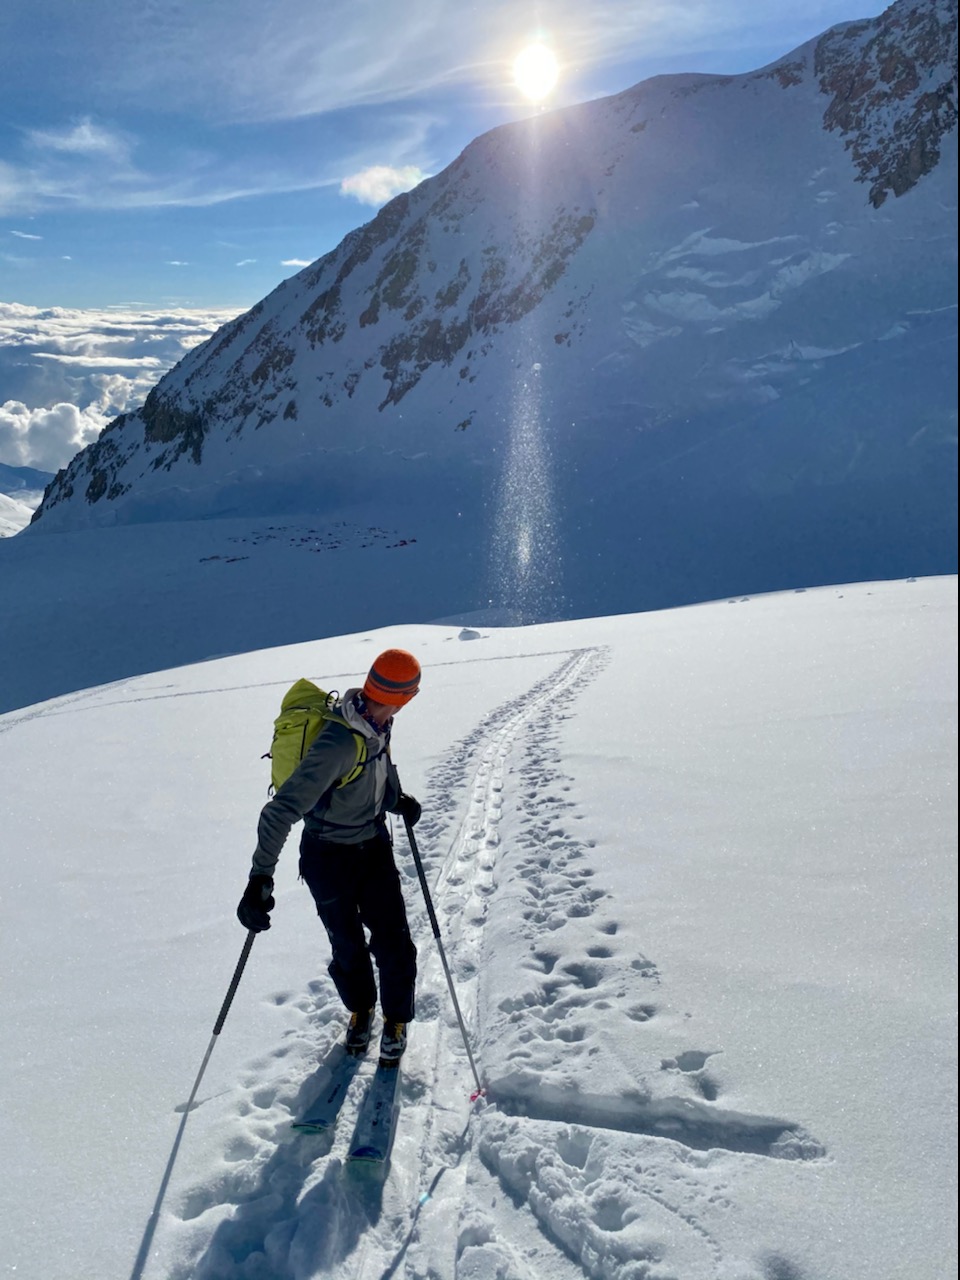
column 608, row 1167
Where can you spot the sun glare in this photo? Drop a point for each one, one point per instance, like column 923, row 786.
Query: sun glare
column 535, row 72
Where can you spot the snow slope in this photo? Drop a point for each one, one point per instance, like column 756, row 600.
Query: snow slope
column 705, row 329
column 696, row 876
column 694, row 340
column 16, row 513
column 21, row 492
column 682, row 260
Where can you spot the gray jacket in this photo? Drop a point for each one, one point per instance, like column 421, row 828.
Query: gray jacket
column 346, row 815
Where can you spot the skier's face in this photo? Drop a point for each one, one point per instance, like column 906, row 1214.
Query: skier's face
column 380, row 712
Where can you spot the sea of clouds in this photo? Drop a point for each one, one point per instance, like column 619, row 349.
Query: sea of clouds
column 64, row 374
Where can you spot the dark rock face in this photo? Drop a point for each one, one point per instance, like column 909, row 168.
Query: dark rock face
column 908, row 57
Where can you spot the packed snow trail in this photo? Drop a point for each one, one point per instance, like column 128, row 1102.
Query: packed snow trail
column 555, row 1177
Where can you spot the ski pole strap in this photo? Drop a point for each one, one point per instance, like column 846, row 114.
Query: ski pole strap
column 234, row 983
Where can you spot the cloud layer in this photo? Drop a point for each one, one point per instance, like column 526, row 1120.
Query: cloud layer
column 64, row 374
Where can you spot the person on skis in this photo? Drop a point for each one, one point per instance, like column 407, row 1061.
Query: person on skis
column 346, row 854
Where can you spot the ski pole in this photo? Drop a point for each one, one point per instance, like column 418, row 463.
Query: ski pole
column 443, row 959
column 145, row 1243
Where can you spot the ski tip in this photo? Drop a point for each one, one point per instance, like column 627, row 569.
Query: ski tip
column 367, row 1155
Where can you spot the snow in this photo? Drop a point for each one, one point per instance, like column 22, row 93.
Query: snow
column 695, row 872
column 21, row 492
column 16, row 513
column 669, row 236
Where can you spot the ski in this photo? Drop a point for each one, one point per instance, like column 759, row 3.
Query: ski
column 373, row 1135
column 323, row 1111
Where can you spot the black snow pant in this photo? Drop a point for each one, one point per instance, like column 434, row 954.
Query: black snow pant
column 357, row 886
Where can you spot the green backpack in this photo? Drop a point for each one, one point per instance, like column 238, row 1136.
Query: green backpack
column 305, row 710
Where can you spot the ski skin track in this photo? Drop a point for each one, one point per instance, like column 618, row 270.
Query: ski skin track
column 447, row 1145
column 348, row 1227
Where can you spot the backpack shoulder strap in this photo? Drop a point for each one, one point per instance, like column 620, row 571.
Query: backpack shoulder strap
column 360, row 745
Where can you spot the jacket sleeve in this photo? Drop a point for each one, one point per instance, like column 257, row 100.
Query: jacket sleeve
column 332, row 754
column 391, row 797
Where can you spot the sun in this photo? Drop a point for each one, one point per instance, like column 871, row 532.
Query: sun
column 535, row 71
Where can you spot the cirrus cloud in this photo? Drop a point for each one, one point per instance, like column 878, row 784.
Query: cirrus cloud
column 81, row 138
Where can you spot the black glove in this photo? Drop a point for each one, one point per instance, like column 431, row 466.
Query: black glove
column 409, row 809
column 256, row 904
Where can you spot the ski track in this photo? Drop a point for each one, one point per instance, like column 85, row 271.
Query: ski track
column 62, row 705
column 540, row 1180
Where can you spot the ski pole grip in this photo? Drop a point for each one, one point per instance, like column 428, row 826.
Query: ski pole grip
column 234, row 982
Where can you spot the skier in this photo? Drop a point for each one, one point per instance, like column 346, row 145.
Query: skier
column 346, row 854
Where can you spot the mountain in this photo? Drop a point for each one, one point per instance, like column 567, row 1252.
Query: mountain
column 21, row 489
column 20, row 480
column 701, row 333
column 14, row 515
column 692, row 341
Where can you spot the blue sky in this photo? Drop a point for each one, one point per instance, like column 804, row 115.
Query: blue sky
column 169, row 153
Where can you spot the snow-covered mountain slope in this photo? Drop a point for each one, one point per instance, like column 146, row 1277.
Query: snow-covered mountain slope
column 21, row 490
column 695, row 873
column 691, row 342
column 710, row 312
column 101, row 604
column 16, row 513
column 15, row 481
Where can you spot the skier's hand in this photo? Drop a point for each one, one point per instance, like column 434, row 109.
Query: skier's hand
column 409, row 809
column 257, row 902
